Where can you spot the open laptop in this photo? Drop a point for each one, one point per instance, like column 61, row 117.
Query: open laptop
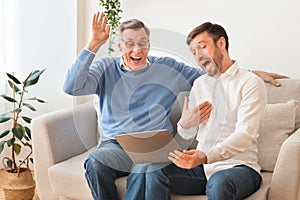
column 149, row 146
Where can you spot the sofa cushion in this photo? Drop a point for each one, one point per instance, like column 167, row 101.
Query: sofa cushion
column 277, row 123
column 67, row 178
column 289, row 89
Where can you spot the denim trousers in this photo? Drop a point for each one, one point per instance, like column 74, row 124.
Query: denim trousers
column 158, row 180
column 229, row 184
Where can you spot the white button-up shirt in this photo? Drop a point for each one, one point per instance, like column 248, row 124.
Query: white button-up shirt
column 229, row 136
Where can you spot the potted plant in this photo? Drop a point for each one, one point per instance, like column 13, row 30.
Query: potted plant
column 112, row 9
column 16, row 178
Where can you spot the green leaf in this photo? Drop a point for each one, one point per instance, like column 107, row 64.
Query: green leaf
column 13, row 86
column 26, row 137
column 17, row 110
column 112, row 9
column 2, row 143
column 18, row 132
column 29, row 106
column 10, row 142
column 10, row 99
column 28, row 132
column 33, row 77
column 27, row 119
column 9, row 163
column 4, row 133
column 13, row 78
column 41, row 101
column 4, row 119
column 17, row 148
column 36, row 99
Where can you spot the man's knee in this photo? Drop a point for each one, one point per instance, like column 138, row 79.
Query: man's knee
column 93, row 165
column 220, row 185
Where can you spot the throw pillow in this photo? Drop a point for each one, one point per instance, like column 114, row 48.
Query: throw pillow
column 277, row 123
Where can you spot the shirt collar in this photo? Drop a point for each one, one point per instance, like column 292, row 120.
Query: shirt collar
column 231, row 71
column 124, row 66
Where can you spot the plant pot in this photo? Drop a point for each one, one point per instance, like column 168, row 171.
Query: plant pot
column 17, row 186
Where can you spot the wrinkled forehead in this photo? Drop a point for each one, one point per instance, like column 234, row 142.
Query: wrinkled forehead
column 134, row 34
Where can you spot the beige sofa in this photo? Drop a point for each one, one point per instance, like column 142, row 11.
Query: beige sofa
column 63, row 139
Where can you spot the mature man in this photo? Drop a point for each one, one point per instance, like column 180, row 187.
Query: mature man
column 136, row 93
column 224, row 165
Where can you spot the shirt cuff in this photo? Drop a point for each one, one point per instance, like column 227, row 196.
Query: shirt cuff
column 89, row 50
column 186, row 133
column 213, row 155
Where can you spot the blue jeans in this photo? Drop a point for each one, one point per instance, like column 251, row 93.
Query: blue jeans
column 103, row 166
column 234, row 183
column 109, row 162
column 156, row 181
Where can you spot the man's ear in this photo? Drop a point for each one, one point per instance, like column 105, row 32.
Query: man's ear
column 221, row 43
column 119, row 47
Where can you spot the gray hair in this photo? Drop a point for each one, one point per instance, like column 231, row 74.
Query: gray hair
column 134, row 24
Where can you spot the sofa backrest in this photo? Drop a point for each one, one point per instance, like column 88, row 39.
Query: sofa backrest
column 280, row 119
column 289, row 89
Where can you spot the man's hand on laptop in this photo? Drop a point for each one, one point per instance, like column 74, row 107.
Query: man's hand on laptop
column 192, row 117
column 188, row 159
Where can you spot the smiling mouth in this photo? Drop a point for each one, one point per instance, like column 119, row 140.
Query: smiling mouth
column 136, row 58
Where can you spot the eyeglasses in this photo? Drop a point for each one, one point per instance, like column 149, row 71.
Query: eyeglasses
column 131, row 44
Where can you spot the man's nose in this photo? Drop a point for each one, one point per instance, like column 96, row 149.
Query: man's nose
column 199, row 55
column 136, row 48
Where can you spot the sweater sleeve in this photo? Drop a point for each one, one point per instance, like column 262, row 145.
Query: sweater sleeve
column 190, row 73
column 83, row 76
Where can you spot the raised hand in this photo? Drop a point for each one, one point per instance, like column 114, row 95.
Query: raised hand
column 99, row 32
column 192, row 117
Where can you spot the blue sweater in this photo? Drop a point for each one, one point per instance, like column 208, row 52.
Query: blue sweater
column 130, row 101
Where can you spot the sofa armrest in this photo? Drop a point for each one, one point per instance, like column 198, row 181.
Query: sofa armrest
column 58, row 136
column 285, row 182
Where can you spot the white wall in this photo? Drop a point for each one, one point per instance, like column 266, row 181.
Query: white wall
column 41, row 34
column 263, row 34
column 44, row 33
column 2, row 58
